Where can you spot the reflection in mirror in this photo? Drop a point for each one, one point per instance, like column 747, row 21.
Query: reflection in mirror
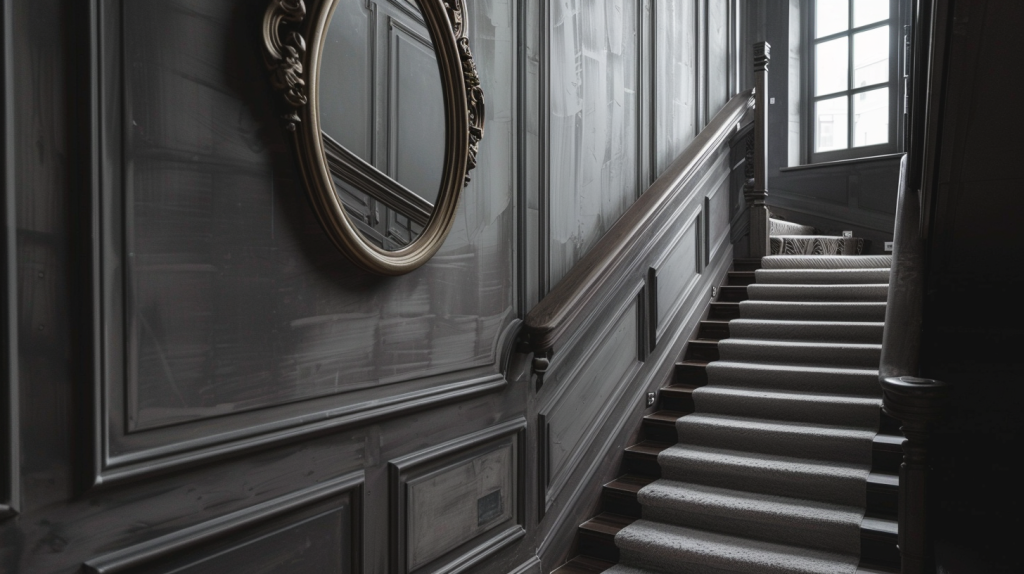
column 382, row 117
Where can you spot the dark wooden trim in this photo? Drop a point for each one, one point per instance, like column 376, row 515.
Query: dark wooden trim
column 842, row 162
column 544, row 163
column 9, row 428
column 157, row 461
column 165, row 546
column 576, row 295
column 400, row 468
column 901, row 339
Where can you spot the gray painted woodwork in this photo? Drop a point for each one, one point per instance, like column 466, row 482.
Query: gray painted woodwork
column 197, row 381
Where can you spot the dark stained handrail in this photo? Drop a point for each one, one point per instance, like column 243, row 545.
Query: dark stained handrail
column 571, row 297
column 916, row 402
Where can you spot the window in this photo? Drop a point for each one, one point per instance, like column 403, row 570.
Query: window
column 853, row 78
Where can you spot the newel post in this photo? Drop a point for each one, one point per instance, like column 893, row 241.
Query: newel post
column 917, row 403
column 756, row 191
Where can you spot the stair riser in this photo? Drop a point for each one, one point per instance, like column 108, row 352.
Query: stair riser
column 741, row 278
column 821, row 277
column 721, row 311
column 883, row 500
column 641, row 465
column 713, row 331
column 843, row 357
column 691, row 375
column 822, row 536
column 877, row 549
column 701, row 351
column 886, row 461
column 678, row 402
column 785, row 311
column 808, row 331
column 820, row 448
column 784, row 380
column 842, row 414
column 659, row 431
column 732, row 293
column 834, row 490
column 822, row 293
column 826, row 262
column 600, row 547
column 619, row 502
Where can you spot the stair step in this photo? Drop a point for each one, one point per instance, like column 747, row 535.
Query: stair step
column 741, row 277
column 619, row 496
column 698, row 350
column 733, row 293
column 746, row 263
column 831, row 482
column 824, row 331
column 722, row 310
column 876, row 292
column 879, row 542
column 826, row 261
column 815, row 442
column 804, row 311
column 883, row 494
column 695, row 374
column 887, row 453
column 669, row 548
column 799, row 378
column 846, row 355
column 822, row 276
column 677, row 398
column 597, row 536
column 661, row 425
column 642, row 458
column 801, row 407
column 770, row 518
column 583, row 565
column 713, row 330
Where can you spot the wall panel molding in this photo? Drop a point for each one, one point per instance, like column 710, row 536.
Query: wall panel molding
column 614, row 352
column 122, row 451
column 9, row 427
column 461, row 468
column 175, row 543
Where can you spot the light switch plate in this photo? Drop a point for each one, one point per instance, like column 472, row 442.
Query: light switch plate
column 847, row 234
column 651, row 397
column 888, row 246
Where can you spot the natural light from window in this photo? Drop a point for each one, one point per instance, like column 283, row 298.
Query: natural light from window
column 851, row 73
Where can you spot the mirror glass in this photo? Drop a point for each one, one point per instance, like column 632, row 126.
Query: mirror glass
column 382, row 118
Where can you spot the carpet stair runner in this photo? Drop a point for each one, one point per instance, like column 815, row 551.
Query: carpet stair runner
column 789, row 238
column 769, row 452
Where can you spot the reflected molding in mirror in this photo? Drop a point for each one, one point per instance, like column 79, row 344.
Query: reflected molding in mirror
column 293, row 42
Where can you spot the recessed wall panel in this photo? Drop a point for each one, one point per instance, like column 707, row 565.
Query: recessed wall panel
column 677, row 272
column 675, row 80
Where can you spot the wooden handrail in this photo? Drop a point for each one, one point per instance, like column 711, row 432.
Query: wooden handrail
column 916, row 402
column 571, row 298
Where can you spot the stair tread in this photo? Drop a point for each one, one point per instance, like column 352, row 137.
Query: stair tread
column 648, row 447
column 884, row 479
column 668, row 546
column 606, row 524
column 631, row 483
column 668, row 417
column 881, row 526
column 583, row 565
column 774, row 426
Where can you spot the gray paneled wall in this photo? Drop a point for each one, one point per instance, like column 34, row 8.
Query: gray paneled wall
column 205, row 384
column 599, row 83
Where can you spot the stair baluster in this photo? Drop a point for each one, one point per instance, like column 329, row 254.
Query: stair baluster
column 755, row 190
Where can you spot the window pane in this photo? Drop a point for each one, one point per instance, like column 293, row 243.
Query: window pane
column 868, row 11
column 830, row 130
column 831, row 16
column 831, row 66
column 871, row 117
column 871, row 57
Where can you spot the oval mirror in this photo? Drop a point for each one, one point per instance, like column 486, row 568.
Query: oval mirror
column 387, row 113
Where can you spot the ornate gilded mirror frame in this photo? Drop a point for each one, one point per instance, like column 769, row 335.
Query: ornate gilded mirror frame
column 295, row 71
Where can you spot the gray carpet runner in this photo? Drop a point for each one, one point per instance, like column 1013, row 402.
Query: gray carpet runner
column 788, row 238
column 770, row 472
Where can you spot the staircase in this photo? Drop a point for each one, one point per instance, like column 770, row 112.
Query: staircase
column 769, row 452
column 789, row 238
